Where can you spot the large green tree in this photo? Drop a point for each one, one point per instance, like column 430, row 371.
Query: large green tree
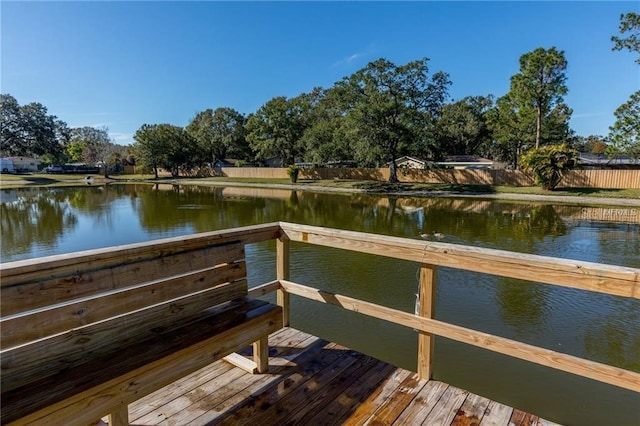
column 163, row 146
column 630, row 29
column 462, row 127
column 624, row 135
column 391, row 110
column 29, row 130
column 533, row 112
column 326, row 137
column 277, row 127
column 219, row 134
column 95, row 146
column 540, row 84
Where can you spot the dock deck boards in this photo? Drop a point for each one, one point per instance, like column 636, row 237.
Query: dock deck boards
column 315, row 382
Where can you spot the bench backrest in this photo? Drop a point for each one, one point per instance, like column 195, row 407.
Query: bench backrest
column 58, row 311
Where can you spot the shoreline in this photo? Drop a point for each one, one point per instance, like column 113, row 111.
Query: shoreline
column 627, row 202
column 555, row 199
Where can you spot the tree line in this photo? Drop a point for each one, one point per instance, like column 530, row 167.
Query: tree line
column 369, row 118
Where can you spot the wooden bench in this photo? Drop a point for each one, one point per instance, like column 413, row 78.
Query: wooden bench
column 86, row 334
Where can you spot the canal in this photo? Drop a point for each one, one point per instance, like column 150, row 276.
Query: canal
column 40, row 222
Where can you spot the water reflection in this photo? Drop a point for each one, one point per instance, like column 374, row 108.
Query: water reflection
column 30, row 218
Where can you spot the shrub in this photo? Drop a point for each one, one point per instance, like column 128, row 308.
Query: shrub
column 549, row 163
column 293, row 171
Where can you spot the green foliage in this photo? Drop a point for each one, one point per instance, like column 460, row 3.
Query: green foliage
column 391, row 110
column 326, row 138
column 293, row 171
column 164, row 146
column 219, row 134
column 95, row 146
column 625, row 132
column 462, row 128
column 630, row 24
column 533, row 113
column 29, row 130
column 277, row 127
column 549, row 163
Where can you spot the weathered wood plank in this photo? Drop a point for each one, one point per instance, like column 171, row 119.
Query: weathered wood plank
column 446, row 408
column 252, row 402
column 26, row 363
column 496, row 414
column 472, row 411
column 86, row 281
column 33, row 269
column 395, row 405
column 245, row 399
column 355, row 394
column 520, row 418
column 264, row 289
column 571, row 364
column 159, row 401
column 610, row 279
column 25, row 327
column 376, row 400
column 166, row 402
column 133, row 383
column 324, row 395
column 290, row 403
column 423, row 403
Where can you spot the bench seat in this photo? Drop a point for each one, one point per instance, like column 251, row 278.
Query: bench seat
column 85, row 334
column 86, row 392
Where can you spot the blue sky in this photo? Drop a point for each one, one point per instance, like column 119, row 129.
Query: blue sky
column 122, row 64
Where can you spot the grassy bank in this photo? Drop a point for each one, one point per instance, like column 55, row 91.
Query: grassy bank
column 12, row 181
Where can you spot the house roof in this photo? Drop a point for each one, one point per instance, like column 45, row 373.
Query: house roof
column 466, row 159
column 603, row 160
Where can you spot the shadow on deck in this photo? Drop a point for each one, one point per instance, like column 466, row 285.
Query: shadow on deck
column 315, row 382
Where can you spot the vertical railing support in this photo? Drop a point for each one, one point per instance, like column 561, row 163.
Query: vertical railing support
column 282, row 273
column 427, row 294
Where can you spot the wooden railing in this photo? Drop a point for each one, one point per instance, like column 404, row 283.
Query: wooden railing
column 608, row 279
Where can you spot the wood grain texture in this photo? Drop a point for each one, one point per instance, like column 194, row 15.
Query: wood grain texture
column 609, row 279
column 571, row 364
column 25, row 327
column 138, row 370
column 333, row 391
column 282, row 273
column 59, row 265
column 85, row 281
column 29, row 362
column 427, row 295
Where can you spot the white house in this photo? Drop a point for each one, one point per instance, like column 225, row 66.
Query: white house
column 25, row 164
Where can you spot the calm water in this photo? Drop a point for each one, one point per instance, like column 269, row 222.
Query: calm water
column 40, row 222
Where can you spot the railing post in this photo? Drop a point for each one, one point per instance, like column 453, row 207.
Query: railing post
column 282, row 273
column 427, row 294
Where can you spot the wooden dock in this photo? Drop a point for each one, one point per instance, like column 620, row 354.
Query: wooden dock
column 315, row 382
column 310, row 381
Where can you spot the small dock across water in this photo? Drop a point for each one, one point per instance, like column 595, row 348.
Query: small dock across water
column 315, row 382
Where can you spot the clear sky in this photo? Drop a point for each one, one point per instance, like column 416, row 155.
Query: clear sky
column 123, row 64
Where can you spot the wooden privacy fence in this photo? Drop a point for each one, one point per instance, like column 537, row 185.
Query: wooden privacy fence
column 595, row 277
column 574, row 179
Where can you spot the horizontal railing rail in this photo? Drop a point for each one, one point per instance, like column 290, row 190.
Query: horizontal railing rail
column 588, row 276
column 608, row 279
